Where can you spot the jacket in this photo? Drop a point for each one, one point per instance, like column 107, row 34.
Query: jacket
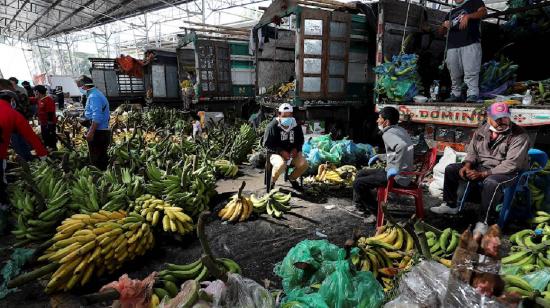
column 12, row 121
column 97, row 108
column 399, row 152
column 508, row 154
column 276, row 139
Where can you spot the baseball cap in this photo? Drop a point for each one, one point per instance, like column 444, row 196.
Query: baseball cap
column 498, row 110
column 286, row 107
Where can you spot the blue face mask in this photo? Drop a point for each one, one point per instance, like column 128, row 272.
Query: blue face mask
column 287, row 121
column 82, row 91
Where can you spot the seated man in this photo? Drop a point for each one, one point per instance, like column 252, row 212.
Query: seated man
column 495, row 156
column 399, row 157
column 284, row 137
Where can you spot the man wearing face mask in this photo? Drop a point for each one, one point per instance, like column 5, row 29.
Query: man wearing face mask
column 399, row 157
column 285, row 138
column 495, row 156
column 96, row 112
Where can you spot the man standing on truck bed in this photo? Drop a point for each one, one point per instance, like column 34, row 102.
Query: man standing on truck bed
column 464, row 48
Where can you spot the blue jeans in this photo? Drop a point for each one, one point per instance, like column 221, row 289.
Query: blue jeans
column 21, row 147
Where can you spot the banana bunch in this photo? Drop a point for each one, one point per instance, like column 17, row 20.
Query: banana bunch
column 239, row 207
column 386, row 253
column 327, row 173
column 93, row 190
column 443, row 247
column 531, row 250
column 541, row 218
column 173, row 218
column 285, row 88
column 516, row 284
column 174, row 275
column 275, row 203
column 226, row 168
column 347, row 173
column 182, row 186
column 40, row 198
column 88, row 244
column 242, row 144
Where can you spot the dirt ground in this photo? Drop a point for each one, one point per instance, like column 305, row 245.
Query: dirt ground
column 256, row 245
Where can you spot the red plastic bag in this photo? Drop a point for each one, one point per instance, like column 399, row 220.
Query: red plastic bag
column 134, row 293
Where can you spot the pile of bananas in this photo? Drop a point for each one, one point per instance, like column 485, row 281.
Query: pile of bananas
column 181, row 186
column 285, row 88
column 88, row 244
column 242, row 144
column 541, row 219
column 275, row 203
column 40, row 198
column 530, row 251
column 443, row 247
column 93, row 190
column 155, row 210
column 347, row 173
column 326, row 173
column 239, row 207
column 174, row 275
column 516, row 284
column 226, row 168
column 386, row 253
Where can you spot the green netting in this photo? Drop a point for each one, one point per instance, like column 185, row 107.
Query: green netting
column 13, row 267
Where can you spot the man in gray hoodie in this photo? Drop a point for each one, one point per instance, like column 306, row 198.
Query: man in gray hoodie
column 495, row 156
column 399, row 157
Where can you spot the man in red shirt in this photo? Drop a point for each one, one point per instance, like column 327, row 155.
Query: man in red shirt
column 46, row 116
column 12, row 121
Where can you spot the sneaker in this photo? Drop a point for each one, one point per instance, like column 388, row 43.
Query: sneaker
column 370, row 219
column 453, row 99
column 444, row 209
column 295, row 185
column 472, row 99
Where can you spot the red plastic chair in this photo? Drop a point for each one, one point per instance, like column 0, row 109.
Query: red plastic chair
column 414, row 189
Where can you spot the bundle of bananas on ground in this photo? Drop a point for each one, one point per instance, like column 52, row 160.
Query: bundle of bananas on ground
column 275, row 203
column 183, row 187
column 122, row 178
column 516, row 284
column 40, row 198
column 531, row 250
column 541, row 219
column 385, row 253
column 93, row 190
column 347, row 173
column 174, row 275
column 443, row 247
column 242, row 144
column 239, row 207
column 327, row 173
column 92, row 244
column 173, row 218
column 226, row 168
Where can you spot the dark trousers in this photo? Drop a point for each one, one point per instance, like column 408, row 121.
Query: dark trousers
column 49, row 136
column 4, row 200
column 490, row 189
column 98, row 149
column 21, row 147
column 365, row 185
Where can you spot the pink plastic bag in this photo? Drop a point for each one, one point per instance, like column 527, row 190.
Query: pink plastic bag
column 134, row 293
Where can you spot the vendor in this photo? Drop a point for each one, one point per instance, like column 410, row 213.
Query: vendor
column 46, row 116
column 464, row 48
column 284, row 138
column 399, row 157
column 97, row 111
column 495, row 156
column 12, row 121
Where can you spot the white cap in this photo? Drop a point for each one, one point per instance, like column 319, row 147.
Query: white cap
column 286, row 107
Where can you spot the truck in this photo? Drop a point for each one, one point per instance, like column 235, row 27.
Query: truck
column 314, row 56
column 445, row 124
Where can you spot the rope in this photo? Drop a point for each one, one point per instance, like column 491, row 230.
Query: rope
column 442, row 66
column 405, row 28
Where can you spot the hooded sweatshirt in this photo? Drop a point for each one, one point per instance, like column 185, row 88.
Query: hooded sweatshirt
column 277, row 139
column 399, row 152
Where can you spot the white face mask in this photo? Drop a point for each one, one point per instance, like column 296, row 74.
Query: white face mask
column 381, row 127
column 494, row 129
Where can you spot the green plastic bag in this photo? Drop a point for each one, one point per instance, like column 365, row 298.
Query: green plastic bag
column 539, row 279
column 300, row 299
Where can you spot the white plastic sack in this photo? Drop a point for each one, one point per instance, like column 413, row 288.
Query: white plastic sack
column 436, row 186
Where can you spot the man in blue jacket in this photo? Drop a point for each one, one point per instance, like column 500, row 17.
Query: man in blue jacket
column 97, row 113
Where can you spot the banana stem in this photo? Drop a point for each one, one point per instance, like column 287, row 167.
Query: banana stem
column 422, row 240
column 108, row 295
column 208, row 258
column 241, row 190
column 30, row 276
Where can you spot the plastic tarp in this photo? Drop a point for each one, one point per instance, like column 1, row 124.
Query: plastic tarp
column 322, row 149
